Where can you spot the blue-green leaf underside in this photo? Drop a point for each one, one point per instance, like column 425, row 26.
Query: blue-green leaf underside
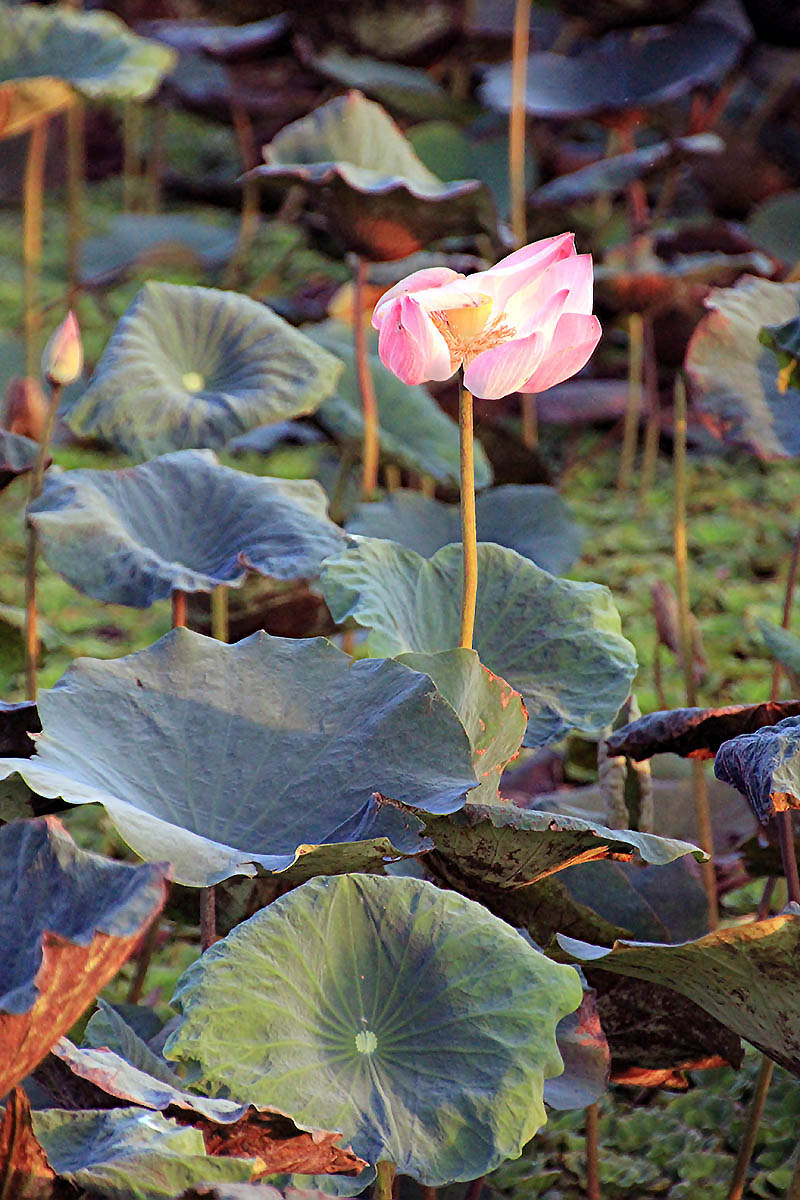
column 181, row 522
column 418, row 1024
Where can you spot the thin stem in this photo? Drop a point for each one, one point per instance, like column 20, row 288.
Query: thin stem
column 592, row 1153
column 752, row 1121
column 701, row 805
column 652, row 431
column 143, row 962
column 475, row 1188
column 469, row 537
column 76, row 192
column 427, row 1193
column 219, row 613
column 793, row 1192
column 530, row 420
column 517, row 120
column 633, row 408
column 131, row 154
column 366, row 388
column 208, row 917
column 788, row 603
column 31, row 615
column 391, row 475
column 783, row 825
column 765, row 903
column 32, row 239
column 155, row 162
column 251, row 197
column 384, row 1181
column 178, row 609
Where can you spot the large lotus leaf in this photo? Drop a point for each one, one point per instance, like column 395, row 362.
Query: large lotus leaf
column 132, row 1154
column 150, row 736
column 533, row 520
column 18, row 455
column 491, row 712
column 509, row 847
column 735, row 378
column 775, row 226
column 137, row 240
column 584, row 1050
column 557, row 642
column 414, row 432
column 373, row 189
column 614, row 174
column 745, row 977
column 68, row 921
column 408, row 90
column 23, row 104
column 406, row 1016
column 695, row 732
column 764, row 766
column 95, row 52
column 182, row 523
column 226, row 42
column 620, row 71
column 191, row 366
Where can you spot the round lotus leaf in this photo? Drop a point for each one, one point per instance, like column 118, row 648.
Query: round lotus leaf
column 182, row 523
column 737, row 378
column 138, row 240
column 405, row 1016
column 223, row 758
column 621, row 71
column 95, row 52
column 556, row 642
column 192, row 366
column 533, row 520
column 365, row 177
column 23, row 104
column 414, row 431
column 18, row 455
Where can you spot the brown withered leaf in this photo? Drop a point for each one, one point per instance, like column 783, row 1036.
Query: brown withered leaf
column 276, row 1140
column 25, row 1173
column 696, row 732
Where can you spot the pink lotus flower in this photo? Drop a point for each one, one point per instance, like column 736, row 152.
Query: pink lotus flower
column 62, row 359
column 522, row 326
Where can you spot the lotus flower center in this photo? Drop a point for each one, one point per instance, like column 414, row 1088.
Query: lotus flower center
column 469, row 329
column 193, row 381
column 366, row 1042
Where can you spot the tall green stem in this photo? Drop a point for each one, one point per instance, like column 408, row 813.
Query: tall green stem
column 469, row 537
column 384, row 1183
column 592, row 1139
column 633, row 408
column 702, row 810
column 219, row 613
column 366, row 387
column 517, row 120
column 31, row 616
column 76, row 187
column 33, row 197
column 754, row 1114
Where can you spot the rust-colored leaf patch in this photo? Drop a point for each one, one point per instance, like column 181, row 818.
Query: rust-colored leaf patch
column 277, row 1141
column 25, row 1173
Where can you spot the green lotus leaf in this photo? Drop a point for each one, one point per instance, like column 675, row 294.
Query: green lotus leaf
column 584, row 1049
column 191, row 366
column 405, row 1016
column 68, row 921
column 509, row 847
column 556, row 642
column 736, row 379
column 131, row 1154
column 315, row 735
column 745, row 977
column 620, row 71
column 408, row 90
column 533, row 520
column 414, row 432
column 489, row 709
column 227, row 42
column 94, row 52
column 18, row 455
column 764, row 766
column 363, row 174
column 180, row 522
column 137, row 240
column 451, row 153
column 774, row 225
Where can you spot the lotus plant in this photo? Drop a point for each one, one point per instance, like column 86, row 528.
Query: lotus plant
column 521, row 326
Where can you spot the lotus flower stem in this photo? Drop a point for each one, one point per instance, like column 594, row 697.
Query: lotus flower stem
column 469, row 538
column 219, row 613
column 76, row 188
column 517, row 120
column 592, row 1152
column 31, row 615
column 384, row 1184
column 702, row 810
column 530, row 421
column 752, row 1121
column 633, row 408
column 369, row 404
column 179, row 609
column 32, row 238
column 208, row 917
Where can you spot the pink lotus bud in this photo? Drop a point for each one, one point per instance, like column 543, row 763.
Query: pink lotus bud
column 62, row 361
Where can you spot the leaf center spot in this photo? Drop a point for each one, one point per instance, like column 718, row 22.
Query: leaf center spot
column 366, row 1042
column 193, row 381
